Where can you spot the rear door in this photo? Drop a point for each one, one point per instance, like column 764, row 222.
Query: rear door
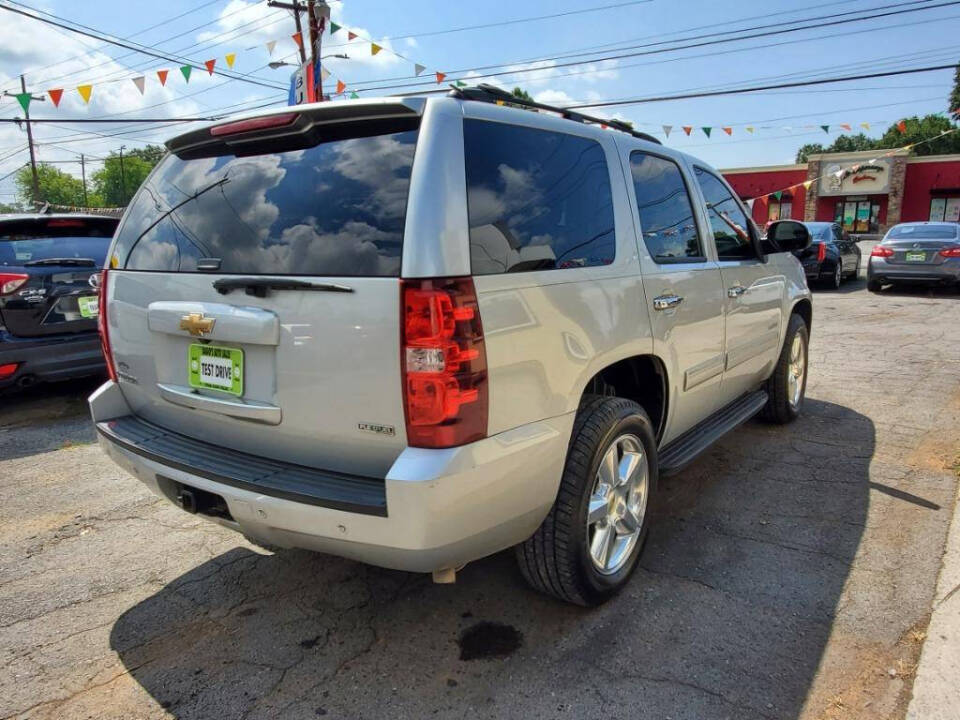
column 684, row 291
column 57, row 256
column 255, row 301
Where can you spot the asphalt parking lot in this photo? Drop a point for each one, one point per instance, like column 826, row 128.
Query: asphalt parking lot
column 789, row 574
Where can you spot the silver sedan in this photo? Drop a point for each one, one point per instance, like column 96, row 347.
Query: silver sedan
column 917, row 252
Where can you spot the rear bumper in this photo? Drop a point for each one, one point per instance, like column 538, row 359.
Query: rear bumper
column 441, row 508
column 946, row 272
column 56, row 358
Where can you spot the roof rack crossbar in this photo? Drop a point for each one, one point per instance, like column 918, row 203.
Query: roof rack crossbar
column 490, row 93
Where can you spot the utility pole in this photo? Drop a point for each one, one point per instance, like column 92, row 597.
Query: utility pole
column 123, row 182
column 296, row 7
column 317, row 26
column 26, row 112
column 83, row 175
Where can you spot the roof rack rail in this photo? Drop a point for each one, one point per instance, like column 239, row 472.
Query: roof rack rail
column 492, row 94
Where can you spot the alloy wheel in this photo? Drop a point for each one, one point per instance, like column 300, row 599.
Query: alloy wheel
column 796, row 370
column 618, row 504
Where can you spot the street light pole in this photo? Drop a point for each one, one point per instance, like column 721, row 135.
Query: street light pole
column 83, row 176
column 296, row 8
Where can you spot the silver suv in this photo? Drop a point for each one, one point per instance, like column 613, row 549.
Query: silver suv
column 415, row 332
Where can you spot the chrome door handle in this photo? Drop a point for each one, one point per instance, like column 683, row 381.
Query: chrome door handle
column 736, row 291
column 665, row 302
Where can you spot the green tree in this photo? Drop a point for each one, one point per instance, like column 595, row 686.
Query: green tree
column 151, row 153
column 7, row 208
column 114, row 184
column 56, row 186
column 844, row 143
column 954, row 106
column 921, row 130
column 522, row 94
column 805, row 151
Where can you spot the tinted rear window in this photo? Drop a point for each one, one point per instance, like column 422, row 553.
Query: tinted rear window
column 25, row 241
column 337, row 208
column 537, row 200
column 928, row 232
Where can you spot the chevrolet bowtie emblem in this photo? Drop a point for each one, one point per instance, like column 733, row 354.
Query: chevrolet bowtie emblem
column 196, row 324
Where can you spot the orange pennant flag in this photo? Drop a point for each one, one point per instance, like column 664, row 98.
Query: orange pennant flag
column 846, row 126
column 55, row 96
column 351, row 35
column 230, row 58
column 440, row 77
column 298, row 39
column 85, row 91
column 210, row 64
column 374, row 48
column 341, row 86
column 162, row 74
column 902, row 126
column 728, row 130
column 688, row 129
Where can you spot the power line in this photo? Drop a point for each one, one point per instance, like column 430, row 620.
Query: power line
column 137, row 48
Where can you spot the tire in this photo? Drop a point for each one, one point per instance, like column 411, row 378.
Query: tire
column 557, row 559
column 783, row 403
column 837, row 278
column 874, row 285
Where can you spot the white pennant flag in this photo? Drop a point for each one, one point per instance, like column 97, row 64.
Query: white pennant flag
column 324, row 73
column 418, row 68
column 139, row 82
column 667, row 129
column 270, row 46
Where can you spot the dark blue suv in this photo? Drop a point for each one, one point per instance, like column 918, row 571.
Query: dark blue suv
column 48, row 303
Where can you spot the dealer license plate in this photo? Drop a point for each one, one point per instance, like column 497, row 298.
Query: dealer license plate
column 88, row 306
column 916, row 257
column 216, row 368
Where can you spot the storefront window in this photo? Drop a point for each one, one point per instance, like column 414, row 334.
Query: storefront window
column 859, row 215
column 945, row 209
column 781, row 209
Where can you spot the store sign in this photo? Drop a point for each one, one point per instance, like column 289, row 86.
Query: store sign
column 856, row 177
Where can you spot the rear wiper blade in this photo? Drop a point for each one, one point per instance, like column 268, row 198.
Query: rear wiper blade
column 258, row 286
column 84, row 262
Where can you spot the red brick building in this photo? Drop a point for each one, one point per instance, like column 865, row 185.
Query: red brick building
column 863, row 191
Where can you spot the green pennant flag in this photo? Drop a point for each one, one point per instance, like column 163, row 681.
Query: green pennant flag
column 186, row 69
column 24, row 100
column 354, row 96
column 334, row 27
column 825, row 128
column 706, row 131
column 777, row 194
column 460, row 83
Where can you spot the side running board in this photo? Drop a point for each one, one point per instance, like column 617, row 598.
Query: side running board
column 682, row 451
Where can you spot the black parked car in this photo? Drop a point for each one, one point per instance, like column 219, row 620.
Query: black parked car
column 48, row 304
column 833, row 255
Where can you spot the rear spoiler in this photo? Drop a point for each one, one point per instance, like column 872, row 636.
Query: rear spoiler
column 296, row 127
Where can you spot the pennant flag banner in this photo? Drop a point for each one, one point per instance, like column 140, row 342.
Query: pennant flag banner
column 865, row 125
column 667, row 129
column 825, row 128
column 270, row 46
column 162, row 74
column 298, row 39
column 902, row 126
column 418, row 68
column 24, row 100
column 440, row 77
column 749, row 129
column 350, row 34
column 354, row 96
column 706, row 130
column 728, row 130
column 140, row 82
column 341, row 86
column 210, row 65
column 460, row 83
column 778, row 194
column 374, row 48
column 324, row 73
column 807, row 184
column 55, row 96
column 846, row 127
column 334, row 27
column 85, row 91
column 186, row 70
column 231, row 58
column 688, row 129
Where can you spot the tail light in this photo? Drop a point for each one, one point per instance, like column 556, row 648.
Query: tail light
column 8, row 370
column 103, row 326
column 953, row 252
column 881, row 251
column 11, row 281
column 260, row 123
column 444, row 363
column 821, row 252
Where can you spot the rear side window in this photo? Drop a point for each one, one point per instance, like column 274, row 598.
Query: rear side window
column 666, row 213
column 337, row 208
column 32, row 242
column 730, row 224
column 537, row 200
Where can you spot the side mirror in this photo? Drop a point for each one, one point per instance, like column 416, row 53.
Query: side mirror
column 785, row 236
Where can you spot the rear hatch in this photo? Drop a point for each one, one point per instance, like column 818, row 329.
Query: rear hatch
column 50, row 261
column 255, row 301
column 919, row 244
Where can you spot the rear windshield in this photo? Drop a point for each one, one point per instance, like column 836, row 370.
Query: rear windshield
column 26, row 242
column 337, row 208
column 923, row 232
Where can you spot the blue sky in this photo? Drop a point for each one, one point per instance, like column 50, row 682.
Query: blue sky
column 784, row 119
